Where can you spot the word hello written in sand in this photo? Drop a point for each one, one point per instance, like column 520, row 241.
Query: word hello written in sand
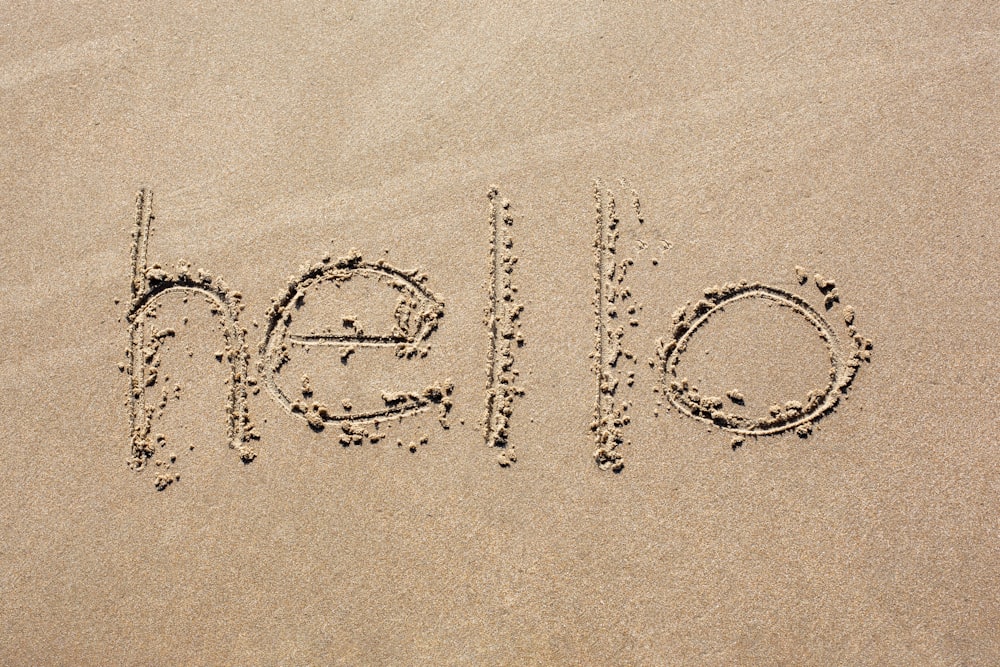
column 415, row 315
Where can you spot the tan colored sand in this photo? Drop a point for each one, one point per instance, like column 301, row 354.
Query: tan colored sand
column 785, row 145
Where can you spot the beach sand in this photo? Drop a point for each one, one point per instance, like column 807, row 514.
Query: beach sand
column 599, row 334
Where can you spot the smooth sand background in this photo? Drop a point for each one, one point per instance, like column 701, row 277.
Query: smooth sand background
column 856, row 139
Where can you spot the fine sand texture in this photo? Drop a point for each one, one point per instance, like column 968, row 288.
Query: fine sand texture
column 371, row 333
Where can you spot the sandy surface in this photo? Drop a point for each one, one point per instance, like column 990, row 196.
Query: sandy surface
column 508, row 154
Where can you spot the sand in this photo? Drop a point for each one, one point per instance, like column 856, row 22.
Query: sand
column 600, row 334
